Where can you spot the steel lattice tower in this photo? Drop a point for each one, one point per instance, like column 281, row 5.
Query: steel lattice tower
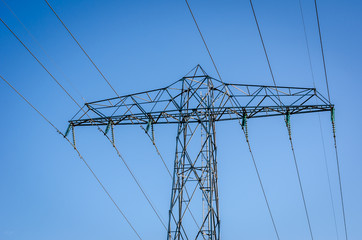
column 195, row 103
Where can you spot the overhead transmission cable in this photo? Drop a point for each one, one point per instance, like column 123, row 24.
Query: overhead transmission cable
column 319, row 120
column 264, row 48
column 261, row 184
column 80, row 46
column 40, row 63
column 321, row 43
column 244, row 128
column 92, row 122
column 203, row 40
column 333, row 123
column 42, row 48
column 287, row 121
column 79, row 154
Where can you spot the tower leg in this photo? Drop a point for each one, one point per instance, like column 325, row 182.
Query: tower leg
column 194, row 184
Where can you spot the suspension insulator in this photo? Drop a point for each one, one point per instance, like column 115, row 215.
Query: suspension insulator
column 107, row 128
column 112, row 130
column 67, row 131
column 244, row 122
column 332, row 115
column 333, row 123
column 287, row 122
column 149, row 123
column 244, row 125
column 73, row 134
column 153, row 133
column 287, row 119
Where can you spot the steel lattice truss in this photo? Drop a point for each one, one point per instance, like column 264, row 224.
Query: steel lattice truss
column 196, row 102
column 231, row 101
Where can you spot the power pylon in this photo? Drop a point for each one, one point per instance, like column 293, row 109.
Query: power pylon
column 195, row 103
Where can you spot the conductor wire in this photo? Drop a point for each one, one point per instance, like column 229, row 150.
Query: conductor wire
column 298, row 174
column 203, row 40
column 80, row 46
column 260, row 181
column 264, row 48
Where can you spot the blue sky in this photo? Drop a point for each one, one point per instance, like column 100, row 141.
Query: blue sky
column 47, row 192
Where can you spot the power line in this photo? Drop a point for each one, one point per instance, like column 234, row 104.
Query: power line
column 328, row 176
column 114, row 146
column 298, row 174
column 319, row 120
column 139, row 186
column 306, row 42
column 340, row 181
column 42, row 48
column 203, row 40
column 321, row 43
column 265, row 52
column 79, row 154
column 80, row 46
column 259, row 178
column 40, row 63
column 334, row 132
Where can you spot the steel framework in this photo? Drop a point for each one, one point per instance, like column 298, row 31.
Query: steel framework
column 195, row 103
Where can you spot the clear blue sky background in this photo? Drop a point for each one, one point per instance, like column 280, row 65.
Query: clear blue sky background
column 46, row 192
